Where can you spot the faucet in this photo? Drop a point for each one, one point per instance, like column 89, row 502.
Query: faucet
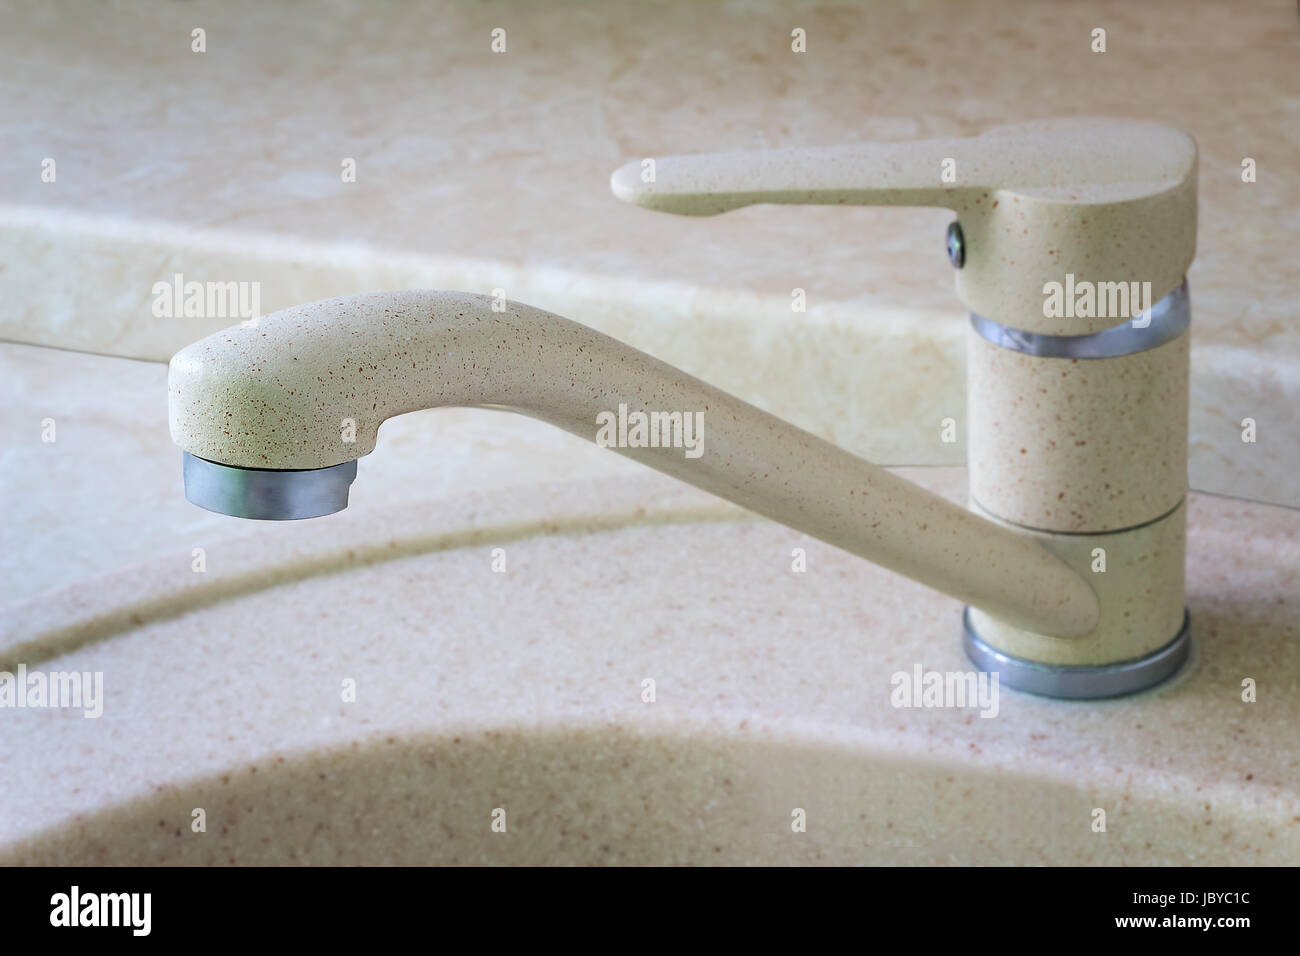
column 1071, row 242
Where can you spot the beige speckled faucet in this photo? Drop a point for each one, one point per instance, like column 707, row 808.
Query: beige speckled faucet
column 1072, row 558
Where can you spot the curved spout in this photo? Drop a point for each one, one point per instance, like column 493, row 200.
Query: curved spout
column 308, row 387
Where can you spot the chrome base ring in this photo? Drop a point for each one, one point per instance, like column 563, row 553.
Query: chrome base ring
column 1079, row 682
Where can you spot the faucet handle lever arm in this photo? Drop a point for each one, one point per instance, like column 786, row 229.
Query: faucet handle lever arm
column 1105, row 200
column 869, row 174
column 1080, row 161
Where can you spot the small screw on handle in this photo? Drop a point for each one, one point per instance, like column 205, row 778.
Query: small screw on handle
column 956, row 245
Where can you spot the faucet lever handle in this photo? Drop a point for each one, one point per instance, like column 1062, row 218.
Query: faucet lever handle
column 1102, row 200
column 1081, row 160
column 869, row 174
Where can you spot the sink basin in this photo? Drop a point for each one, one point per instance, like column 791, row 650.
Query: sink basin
column 480, row 691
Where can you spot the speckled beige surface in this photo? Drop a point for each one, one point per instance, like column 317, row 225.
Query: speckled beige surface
column 522, row 690
column 279, row 394
column 509, row 188
column 1078, row 445
column 1104, row 200
column 1139, row 579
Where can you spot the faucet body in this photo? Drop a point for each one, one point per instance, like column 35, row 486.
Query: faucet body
column 1072, row 243
column 1071, row 560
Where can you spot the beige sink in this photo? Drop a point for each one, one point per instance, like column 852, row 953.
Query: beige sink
column 484, row 696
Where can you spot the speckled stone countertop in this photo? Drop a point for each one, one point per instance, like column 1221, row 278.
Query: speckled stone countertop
column 522, row 691
column 479, row 171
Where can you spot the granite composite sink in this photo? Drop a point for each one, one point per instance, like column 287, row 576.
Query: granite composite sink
column 478, row 691
column 523, row 690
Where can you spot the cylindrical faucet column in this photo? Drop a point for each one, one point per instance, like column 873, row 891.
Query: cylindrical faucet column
column 1081, row 442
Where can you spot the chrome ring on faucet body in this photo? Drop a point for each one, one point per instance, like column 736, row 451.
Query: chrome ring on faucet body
column 1169, row 318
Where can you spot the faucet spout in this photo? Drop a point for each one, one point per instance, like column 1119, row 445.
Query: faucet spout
column 307, row 388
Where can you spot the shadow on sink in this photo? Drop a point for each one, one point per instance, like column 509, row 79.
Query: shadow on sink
column 619, row 795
